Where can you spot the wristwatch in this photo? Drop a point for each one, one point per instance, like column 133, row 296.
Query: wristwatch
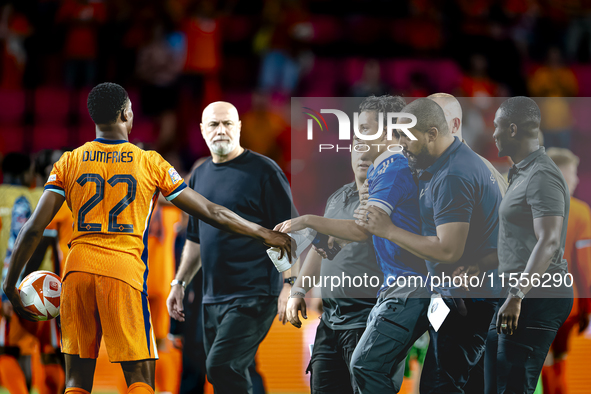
column 516, row 292
column 178, row 282
column 291, row 280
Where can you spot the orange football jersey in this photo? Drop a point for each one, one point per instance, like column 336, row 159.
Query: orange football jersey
column 111, row 188
column 577, row 249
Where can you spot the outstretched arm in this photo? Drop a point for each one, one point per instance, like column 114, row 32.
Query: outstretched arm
column 26, row 243
column 220, row 217
column 338, row 228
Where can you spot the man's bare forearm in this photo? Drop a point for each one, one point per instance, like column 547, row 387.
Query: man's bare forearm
column 540, row 259
column 190, row 262
column 310, row 269
column 338, row 228
column 548, row 230
column 216, row 215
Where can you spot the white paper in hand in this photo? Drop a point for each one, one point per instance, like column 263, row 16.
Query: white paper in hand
column 282, row 264
column 303, row 239
column 437, row 312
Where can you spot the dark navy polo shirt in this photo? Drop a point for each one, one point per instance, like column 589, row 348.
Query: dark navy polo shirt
column 459, row 187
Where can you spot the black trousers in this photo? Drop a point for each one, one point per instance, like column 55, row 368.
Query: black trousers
column 393, row 326
column 331, row 358
column 514, row 362
column 456, row 349
column 232, row 332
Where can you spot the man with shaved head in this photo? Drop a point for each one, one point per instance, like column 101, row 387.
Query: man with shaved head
column 459, row 201
column 532, row 234
column 453, row 115
column 240, row 284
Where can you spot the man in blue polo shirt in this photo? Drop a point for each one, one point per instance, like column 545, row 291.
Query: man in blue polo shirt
column 459, row 201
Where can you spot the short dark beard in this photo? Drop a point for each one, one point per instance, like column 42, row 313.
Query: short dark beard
column 422, row 160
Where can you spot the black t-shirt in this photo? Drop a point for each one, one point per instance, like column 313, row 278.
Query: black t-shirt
column 254, row 187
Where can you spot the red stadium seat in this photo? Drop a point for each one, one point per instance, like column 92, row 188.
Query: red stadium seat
column 238, row 28
column 322, row 80
column 583, row 74
column 52, row 105
column 196, row 142
column 49, row 137
column 12, row 106
column 353, row 70
column 327, row 29
column 82, row 107
column 364, row 29
column 12, row 139
column 142, row 132
column 84, row 132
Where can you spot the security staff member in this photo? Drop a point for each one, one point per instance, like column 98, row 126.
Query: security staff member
column 344, row 309
column 532, row 233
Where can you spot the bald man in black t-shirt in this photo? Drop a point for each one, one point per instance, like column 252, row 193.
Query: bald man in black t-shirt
column 241, row 287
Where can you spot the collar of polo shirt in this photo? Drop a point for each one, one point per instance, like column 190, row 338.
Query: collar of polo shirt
column 428, row 173
column 525, row 162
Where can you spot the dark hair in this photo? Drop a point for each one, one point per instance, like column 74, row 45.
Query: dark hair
column 522, row 111
column 429, row 114
column 105, row 102
column 383, row 104
column 16, row 164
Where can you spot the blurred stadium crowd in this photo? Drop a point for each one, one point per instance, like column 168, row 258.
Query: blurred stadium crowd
column 174, row 55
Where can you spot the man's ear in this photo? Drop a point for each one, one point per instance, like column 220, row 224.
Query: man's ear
column 456, row 124
column 513, row 130
column 432, row 134
column 125, row 115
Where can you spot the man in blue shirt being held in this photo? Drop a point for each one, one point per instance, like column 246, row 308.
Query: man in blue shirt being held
column 459, row 202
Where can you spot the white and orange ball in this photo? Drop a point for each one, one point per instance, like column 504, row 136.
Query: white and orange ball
column 40, row 293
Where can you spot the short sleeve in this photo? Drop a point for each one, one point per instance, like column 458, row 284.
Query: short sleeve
column 57, row 178
column 277, row 199
column 583, row 246
column 389, row 187
column 167, row 178
column 330, row 199
column 193, row 226
column 546, row 195
column 453, row 200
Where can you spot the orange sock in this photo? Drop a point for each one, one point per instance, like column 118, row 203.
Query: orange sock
column 55, row 379
column 167, row 373
column 560, row 376
column 76, row 390
column 140, row 388
column 12, row 376
column 548, row 379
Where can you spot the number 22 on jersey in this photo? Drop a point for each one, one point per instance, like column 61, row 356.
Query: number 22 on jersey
column 99, row 195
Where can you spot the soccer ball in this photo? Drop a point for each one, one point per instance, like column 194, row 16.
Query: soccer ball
column 40, row 293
